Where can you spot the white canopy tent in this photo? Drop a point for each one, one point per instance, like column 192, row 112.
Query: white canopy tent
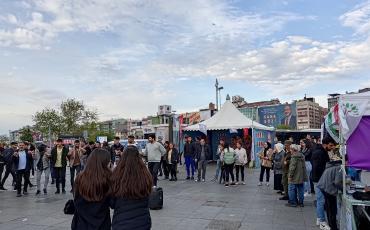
column 229, row 117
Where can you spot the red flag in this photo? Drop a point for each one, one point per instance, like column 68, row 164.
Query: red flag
column 245, row 132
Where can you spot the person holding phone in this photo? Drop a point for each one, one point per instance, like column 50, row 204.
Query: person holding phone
column 22, row 163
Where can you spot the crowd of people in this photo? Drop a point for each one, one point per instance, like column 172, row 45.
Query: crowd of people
column 122, row 178
column 302, row 170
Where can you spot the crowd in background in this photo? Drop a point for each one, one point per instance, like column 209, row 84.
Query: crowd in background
column 299, row 170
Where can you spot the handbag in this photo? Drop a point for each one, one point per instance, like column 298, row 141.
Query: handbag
column 69, row 208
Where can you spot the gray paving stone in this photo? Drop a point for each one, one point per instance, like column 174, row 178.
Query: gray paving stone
column 187, row 205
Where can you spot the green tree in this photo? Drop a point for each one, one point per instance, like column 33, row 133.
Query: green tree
column 75, row 116
column 4, row 139
column 283, row 127
column 72, row 118
column 48, row 120
column 26, row 135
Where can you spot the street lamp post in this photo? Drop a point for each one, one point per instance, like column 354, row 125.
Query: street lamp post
column 218, row 95
column 216, row 86
column 219, row 91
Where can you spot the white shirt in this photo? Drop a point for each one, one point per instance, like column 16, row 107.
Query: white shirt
column 22, row 160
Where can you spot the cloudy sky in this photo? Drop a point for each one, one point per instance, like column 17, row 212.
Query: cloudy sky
column 124, row 57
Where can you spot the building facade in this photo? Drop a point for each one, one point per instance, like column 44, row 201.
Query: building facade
column 310, row 114
column 333, row 100
column 250, row 112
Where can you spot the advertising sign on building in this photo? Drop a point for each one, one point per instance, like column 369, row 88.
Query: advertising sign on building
column 101, row 139
column 194, row 118
column 164, row 109
column 276, row 115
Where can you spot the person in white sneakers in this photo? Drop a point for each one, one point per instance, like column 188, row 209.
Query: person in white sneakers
column 241, row 161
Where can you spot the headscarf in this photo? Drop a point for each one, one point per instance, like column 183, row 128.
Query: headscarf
column 279, row 147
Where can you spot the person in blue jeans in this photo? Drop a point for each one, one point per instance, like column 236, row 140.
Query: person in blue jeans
column 218, row 154
column 296, row 177
column 319, row 159
column 306, row 151
column 189, row 155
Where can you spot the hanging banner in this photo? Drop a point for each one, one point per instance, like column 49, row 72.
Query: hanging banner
column 277, row 115
column 350, row 114
column 332, row 123
column 259, row 139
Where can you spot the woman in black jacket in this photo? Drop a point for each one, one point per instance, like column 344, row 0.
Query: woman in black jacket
column 131, row 187
column 172, row 157
column 92, row 194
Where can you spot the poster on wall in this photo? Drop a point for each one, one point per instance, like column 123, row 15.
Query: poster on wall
column 276, row 115
column 259, row 138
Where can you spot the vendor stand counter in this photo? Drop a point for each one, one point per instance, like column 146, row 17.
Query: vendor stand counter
column 347, row 220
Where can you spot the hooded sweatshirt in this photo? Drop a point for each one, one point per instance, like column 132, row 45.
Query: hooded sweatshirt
column 332, row 178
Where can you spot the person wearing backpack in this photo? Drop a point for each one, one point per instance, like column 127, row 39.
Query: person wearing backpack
column 228, row 158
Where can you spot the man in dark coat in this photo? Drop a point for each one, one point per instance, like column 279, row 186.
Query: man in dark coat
column 22, row 163
column 116, row 150
column 59, row 161
column 9, row 166
column 319, row 159
column 189, row 154
column 202, row 155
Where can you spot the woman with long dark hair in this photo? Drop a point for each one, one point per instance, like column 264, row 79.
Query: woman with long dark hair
column 266, row 162
column 131, row 186
column 92, row 190
column 171, row 158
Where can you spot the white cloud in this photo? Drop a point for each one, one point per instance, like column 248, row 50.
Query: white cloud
column 176, row 22
column 358, row 18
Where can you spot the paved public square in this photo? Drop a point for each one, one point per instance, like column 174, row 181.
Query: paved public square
column 187, row 205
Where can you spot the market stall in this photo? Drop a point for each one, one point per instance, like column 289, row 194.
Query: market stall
column 229, row 123
column 349, row 124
